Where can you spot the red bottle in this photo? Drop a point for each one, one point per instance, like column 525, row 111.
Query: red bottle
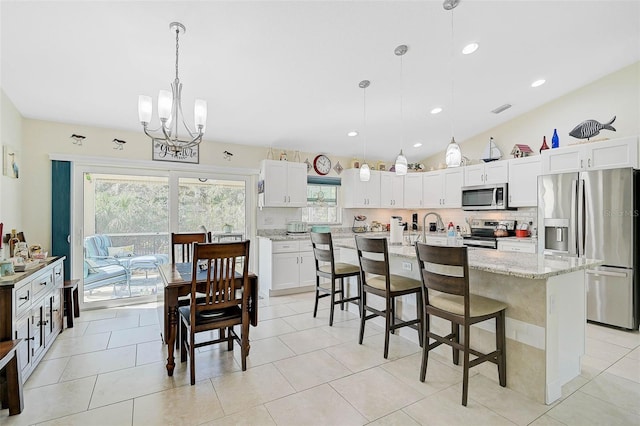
column 544, row 144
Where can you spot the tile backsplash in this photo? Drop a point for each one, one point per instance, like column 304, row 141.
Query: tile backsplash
column 277, row 218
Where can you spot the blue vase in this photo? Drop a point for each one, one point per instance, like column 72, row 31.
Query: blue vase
column 555, row 140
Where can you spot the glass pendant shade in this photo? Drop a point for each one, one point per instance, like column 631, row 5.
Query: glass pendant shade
column 365, row 173
column 145, row 107
column 165, row 101
column 453, row 156
column 200, row 113
column 401, row 164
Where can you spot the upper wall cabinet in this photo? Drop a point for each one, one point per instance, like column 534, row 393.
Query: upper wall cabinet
column 358, row 194
column 611, row 154
column 442, row 188
column 283, row 184
column 486, row 173
column 391, row 190
column 413, row 190
column 523, row 181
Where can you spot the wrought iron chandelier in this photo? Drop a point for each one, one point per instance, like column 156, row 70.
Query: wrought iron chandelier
column 170, row 112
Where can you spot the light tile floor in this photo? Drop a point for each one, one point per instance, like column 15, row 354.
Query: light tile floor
column 110, row 370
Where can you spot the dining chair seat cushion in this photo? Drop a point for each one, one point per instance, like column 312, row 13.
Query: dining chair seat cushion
column 398, row 283
column 479, row 306
column 341, row 268
column 203, row 317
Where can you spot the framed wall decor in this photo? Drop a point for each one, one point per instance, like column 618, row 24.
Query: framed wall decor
column 160, row 152
column 10, row 162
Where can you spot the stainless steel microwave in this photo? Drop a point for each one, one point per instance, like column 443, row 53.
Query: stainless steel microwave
column 485, row 197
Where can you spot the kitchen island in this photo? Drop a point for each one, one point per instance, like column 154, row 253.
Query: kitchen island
column 545, row 318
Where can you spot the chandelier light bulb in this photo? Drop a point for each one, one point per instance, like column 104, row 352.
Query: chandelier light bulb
column 165, row 100
column 200, row 113
column 145, row 109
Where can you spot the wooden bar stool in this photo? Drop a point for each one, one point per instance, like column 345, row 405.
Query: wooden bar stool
column 12, row 392
column 327, row 267
column 70, row 298
column 445, row 272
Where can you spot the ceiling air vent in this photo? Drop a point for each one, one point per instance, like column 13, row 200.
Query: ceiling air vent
column 501, row 108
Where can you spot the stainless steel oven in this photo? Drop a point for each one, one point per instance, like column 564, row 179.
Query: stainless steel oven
column 483, row 232
column 485, row 197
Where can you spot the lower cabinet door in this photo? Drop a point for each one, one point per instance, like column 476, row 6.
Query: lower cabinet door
column 36, row 330
column 285, row 271
column 22, row 332
column 307, row 269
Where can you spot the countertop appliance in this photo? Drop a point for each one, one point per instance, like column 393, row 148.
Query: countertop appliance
column 485, row 197
column 483, row 232
column 297, row 227
column 594, row 214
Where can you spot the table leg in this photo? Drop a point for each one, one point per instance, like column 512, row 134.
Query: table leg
column 171, row 339
column 14, row 388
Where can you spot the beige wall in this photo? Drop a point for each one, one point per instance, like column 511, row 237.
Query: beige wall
column 615, row 94
column 42, row 138
column 11, row 189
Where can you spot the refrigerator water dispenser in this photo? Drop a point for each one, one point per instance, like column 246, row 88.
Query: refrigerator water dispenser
column 556, row 235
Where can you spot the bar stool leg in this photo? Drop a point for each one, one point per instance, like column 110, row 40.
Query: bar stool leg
column 76, row 305
column 68, row 307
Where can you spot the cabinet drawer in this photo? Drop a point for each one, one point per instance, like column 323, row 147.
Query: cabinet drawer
column 23, row 299
column 521, row 247
column 41, row 283
column 285, row 246
column 305, row 246
column 58, row 277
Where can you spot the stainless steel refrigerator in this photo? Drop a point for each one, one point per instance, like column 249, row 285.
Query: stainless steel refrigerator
column 594, row 214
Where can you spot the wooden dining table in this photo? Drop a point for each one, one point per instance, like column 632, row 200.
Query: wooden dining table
column 176, row 281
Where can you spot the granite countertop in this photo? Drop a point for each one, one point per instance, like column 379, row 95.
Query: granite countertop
column 11, row 280
column 523, row 265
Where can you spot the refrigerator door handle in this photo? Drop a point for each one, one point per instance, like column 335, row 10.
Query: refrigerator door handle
column 581, row 218
column 606, row 273
column 573, row 223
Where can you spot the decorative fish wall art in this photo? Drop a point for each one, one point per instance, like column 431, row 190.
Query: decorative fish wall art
column 590, row 128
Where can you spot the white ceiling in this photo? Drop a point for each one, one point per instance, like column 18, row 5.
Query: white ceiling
column 286, row 74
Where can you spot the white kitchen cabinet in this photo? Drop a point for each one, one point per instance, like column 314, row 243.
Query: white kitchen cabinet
column 525, row 245
column 611, row 154
column 284, row 184
column 486, row 173
column 523, row 181
column 286, row 266
column 391, row 190
column 358, row 194
column 413, row 191
column 442, row 188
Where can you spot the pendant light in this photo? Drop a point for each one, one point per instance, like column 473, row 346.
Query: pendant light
column 453, row 155
column 365, row 172
column 401, row 160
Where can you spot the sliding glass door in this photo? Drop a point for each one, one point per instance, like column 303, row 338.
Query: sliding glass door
column 123, row 219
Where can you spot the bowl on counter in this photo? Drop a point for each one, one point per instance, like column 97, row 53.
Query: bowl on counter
column 522, row 233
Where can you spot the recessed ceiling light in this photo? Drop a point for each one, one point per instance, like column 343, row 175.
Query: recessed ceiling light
column 470, row 48
column 417, row 144
column 436, row 110
column 352, row 133
column 538, row 83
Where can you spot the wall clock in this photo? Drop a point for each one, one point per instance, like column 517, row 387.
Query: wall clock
column 322, row 164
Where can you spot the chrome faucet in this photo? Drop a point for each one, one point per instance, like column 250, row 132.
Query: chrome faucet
column 439, row 224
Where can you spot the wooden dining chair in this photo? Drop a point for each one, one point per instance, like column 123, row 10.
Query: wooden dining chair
column 182, row 243
column 445, row 271
column 226, row 300
column 373, row 256
column 327, row 267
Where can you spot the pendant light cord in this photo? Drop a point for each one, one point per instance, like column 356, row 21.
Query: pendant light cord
column 452, row 76
column 401, row 103
column 364, row 121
